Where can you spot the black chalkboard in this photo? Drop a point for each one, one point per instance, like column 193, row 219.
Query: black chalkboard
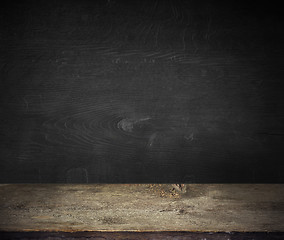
column 141, row 91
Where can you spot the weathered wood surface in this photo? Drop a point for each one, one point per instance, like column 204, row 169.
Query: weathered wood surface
column 138, row 207
column 140, row 91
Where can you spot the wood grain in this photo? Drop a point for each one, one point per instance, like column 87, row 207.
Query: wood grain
column 203, row 208
column 139, row 92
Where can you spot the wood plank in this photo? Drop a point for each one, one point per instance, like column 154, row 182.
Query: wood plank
column 140, row 91
column 142, row 207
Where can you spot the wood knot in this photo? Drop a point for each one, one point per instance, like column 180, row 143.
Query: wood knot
column 129, row 124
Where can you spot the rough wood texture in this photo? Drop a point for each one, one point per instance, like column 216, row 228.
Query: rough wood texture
column 140, row 91
column 216, row 208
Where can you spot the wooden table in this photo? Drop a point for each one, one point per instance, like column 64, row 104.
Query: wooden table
column 142, row 207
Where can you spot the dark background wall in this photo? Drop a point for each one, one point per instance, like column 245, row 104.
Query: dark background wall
column 141, row 91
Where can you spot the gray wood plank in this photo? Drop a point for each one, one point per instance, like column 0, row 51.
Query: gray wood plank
column 142, row 207
column 120, row 92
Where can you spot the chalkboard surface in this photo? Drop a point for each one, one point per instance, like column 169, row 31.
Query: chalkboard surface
column 140, row 91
